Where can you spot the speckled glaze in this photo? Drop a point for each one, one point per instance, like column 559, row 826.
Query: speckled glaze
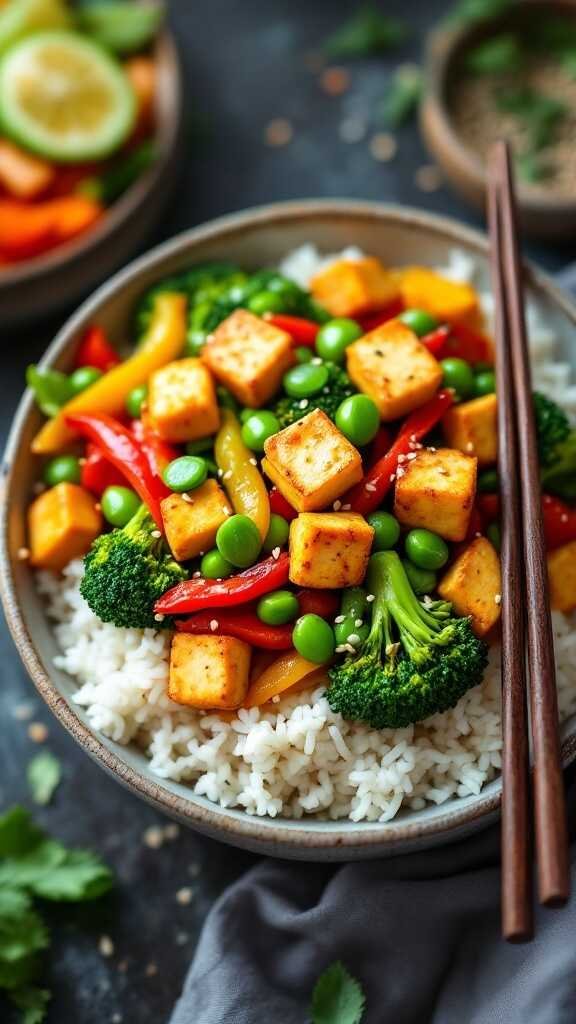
column 257, row 237
column 33, row 289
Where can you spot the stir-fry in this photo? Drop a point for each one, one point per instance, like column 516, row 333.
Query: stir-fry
column 298, row 484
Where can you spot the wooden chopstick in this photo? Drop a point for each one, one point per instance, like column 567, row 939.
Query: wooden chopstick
column 517, row 918
column 549, row 801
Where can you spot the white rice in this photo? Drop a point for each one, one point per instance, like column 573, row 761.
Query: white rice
column 299, row 758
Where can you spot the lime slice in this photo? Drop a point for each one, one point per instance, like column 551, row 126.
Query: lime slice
column 64, row 98
column 21, row 17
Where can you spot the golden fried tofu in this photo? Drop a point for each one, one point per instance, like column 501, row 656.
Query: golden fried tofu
column 192, row 520
column 311, row 462
column 329, row 549
column 562, row 577
column 249, row 356
column 394, row 368
column 354, row 287
column 474, row 586
column 422, row 288
column 182, row 403
column 62, row 523
column 208, row 671
column 436, row 490
column 472, row 427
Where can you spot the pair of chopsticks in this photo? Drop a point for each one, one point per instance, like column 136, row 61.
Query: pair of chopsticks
column 527, row 638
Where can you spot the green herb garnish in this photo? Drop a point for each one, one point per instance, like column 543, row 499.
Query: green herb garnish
column 468, row 11
column 368, row 31
column 33, row 865
column 496, row 55
column 44, row 775
column 337, row 997
column 539, row 114
column 403, row 96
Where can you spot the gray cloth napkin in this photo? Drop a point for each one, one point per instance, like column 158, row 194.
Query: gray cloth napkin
column 420, row 932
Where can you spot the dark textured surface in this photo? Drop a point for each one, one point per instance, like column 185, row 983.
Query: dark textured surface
column 244, row 65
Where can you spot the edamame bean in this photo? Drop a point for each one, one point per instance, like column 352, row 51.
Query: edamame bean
column 214, row 567
column 278, row 608
column 239, row 541
column 119, row 504
column 258, row 428
column 278, row 533
column 426, row 549
column 314, row 639
column 419, row 321
column 266, row 302
column 457, row 374
column 358, row 418
column 62, row 469
column 185, row 473
column 386, row 530
column 423, row 581
column 83, row 378
column 485, row 383
column 135, row 400
column 305, row 380
column 334, row 337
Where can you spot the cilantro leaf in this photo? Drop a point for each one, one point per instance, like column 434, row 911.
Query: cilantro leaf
column 368, row 31
column 337, row 997
column 18, row 834
column 44, row 775
column 469, row 11
column 81, row 875
column 24, row 872
column 16, row 973
column 32, row 1001
column 21, row 935
column 403, row 96
column 496, row 55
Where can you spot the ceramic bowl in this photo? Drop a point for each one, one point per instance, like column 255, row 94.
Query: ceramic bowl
column 541, row 215
column 260, row 236
column 34, row 289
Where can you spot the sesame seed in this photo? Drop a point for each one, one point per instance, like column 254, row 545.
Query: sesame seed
column 278, row 132
column 201, row 553
column 400, row 472
column 392, row 477
column 497, row 598
column 159, row 617
column 347, row 507
column 432, row 449
column 335, row 81
column 184, row 896
column 253, row 461
column 401, row 458
column 350, row 649
column 469, row 446
column 341, row 649
column 358, row 623
column 187, row 498
column 37, row 732
column 477, row 534
column 353, row 638
column 227, row 474
column 370, row 598
column 276, row 698
column 370, row 487
column 106, row 946
column 411, row 456
column 304, row 403
column 383, row 147
column 316, row 361
column 337, row 505
column 339, row 619
column 196, row 575
column 23, row 554
column 213, row 625
column 226, row 510
column 276, row 553
column 156, row 534
column 220, row 472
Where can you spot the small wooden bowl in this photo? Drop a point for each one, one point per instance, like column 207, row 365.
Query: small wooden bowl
column 541, row 216
column 33, row 289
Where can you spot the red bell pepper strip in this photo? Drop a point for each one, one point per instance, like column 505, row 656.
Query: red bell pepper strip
column 194, row 595
column 559, row 522
column 370, row 321
column 280, row 506
column 158, row 452
column 380, row 445
column 244, row 625
column 465, row 343
column 302, row 332
column 96, row 350
column 436, row 340
column 369, row 494
column 325, row 603
column 124, row 452
column 97, row 473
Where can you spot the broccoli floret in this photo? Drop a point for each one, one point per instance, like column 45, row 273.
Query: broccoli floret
column 126, row 571
column 418, row 658
column 189, row 282
column 339, row 387
column 552, row 427
column 559, row 477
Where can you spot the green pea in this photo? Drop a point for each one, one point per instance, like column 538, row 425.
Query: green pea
column 419, row 321
column 119, row 504
column 277, row 608
column 51, row 388
column 334, row 337
column 494, row 535
column 239, row 541
column 246, row 413
column 278, row 532
column 185, row 473
column 214, row 567
column 358, row 419
column 347, row 629
column 426, row 549
column 266, row 302
column 488, row 481
column 457, row 374
column 258, row 428
column 423, row 581
column 135, row 400
column 62, row 469
column 485, row 383
column 289, row 291
column 303, row 354
column 195, row 342
column 314, row 639
column 203, row 444
column 305, row 380
column 386, row 530
column 83, row 378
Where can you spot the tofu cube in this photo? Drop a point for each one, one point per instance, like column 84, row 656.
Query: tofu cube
column 472, row 427
column 208, row 671
column 249, row 356
column 182, row 403
column 62, row 523
column 473, row 584
column 311, row 462
column 422, row 288
column 394, row 368
column 562, row 577
column 436, row 490
column 329, row 549
column 353, row 287
column 191, row 520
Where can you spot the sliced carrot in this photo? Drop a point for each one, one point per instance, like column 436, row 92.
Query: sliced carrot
column 27, row 230
column 141, row 72
column 281, row 675
column 23, row 176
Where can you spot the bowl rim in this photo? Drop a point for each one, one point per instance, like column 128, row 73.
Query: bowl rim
column 166, row 137
column 442, row 48
column 246, row 830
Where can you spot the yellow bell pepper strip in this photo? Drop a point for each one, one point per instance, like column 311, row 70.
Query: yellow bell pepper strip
column 281, row 675
column 162, row 342
column 241, row 478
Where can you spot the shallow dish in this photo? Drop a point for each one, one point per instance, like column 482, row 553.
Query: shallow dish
column 254, row 238
column 61, row 277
